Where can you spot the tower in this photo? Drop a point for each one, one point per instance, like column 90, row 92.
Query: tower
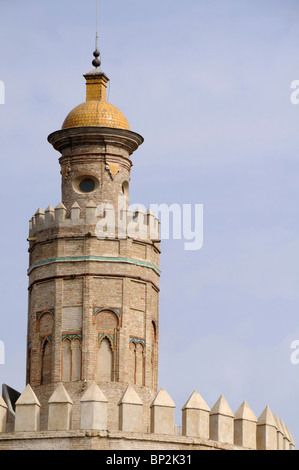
column 94, row 265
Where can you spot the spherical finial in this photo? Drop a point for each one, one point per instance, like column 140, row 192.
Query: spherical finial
column 96, row 62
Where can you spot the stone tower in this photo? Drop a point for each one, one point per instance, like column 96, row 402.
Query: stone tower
column 94, row 265
column 93, row 321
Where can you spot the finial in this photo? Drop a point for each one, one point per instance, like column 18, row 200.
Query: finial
column 96, row 62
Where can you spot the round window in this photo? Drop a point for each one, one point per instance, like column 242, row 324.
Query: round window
column 87, row 186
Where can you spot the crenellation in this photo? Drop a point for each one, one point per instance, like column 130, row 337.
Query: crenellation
column 130, row 409
column 94, row 409
column 40, row 218
column 49, row 216
column 163, row 414
column 60, row 410
column 195, row 417
column 286, row 437
column 102, row 223
column 266, row 431
column 60, row 213
column 27, row 411
column 75, row 212
column 280, row 433
column 222, row 421
column 291, row 440
column 90, row 217
column 245, row 427
column 93, row 314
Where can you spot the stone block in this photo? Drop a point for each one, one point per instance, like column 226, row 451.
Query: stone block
column 27, row 411
column 60, row 410
column 195, row 417
column 280, row 437
column 93, row 409
column 130, row 411
column 162, row 413
column 222, row 422
column 245, row 427
column 266, row 437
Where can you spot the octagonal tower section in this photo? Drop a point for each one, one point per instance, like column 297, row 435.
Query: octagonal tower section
column 94, row 266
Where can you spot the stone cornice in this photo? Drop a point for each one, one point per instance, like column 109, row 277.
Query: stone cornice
column 86, row 136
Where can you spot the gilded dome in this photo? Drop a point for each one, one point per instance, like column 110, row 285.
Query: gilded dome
column 96, row 113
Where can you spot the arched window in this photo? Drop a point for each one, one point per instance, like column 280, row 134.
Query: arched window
column 104, row 370
column 46, row 323
column 132, row 362
column 71, row 359
column 137, row 363
column 66, row 361
column 106, row 321
column 154, row 356
column 46, row 368
column 77, row 359
column 139, row 357
column 125, row 191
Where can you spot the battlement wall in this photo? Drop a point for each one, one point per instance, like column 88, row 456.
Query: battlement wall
column 201, row 427
column 107, row 221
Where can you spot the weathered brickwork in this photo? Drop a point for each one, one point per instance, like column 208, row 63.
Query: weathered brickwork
column 93, row 315
column 114, row 417
column 93, row 301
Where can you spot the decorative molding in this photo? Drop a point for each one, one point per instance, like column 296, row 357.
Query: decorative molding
column 48, row 310
column 104, row 335
column 94, row 258
column 103, row 309
column 137, row 340
column 46, row 338
column 71, row 336
column 92, row 274
column 113, row 169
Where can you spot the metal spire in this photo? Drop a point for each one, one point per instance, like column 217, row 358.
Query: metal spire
column 96, row 62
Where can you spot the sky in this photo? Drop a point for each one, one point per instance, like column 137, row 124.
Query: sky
column 208, row 86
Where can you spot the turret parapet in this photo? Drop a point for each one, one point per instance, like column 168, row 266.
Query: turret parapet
column 286, row 436
column 93, row 409
column 162, row 414
column 103, row 220
column 27, row 411
column 245, row 427
column 130, row 411
column 195, row 417
column 60, row 410
column 280, row 433
column 266, row 431
column 235, row 431
column 222, row 422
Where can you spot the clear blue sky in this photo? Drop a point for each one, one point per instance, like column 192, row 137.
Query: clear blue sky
column 207, row 84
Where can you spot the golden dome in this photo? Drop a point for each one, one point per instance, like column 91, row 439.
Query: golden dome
column 96, row 113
